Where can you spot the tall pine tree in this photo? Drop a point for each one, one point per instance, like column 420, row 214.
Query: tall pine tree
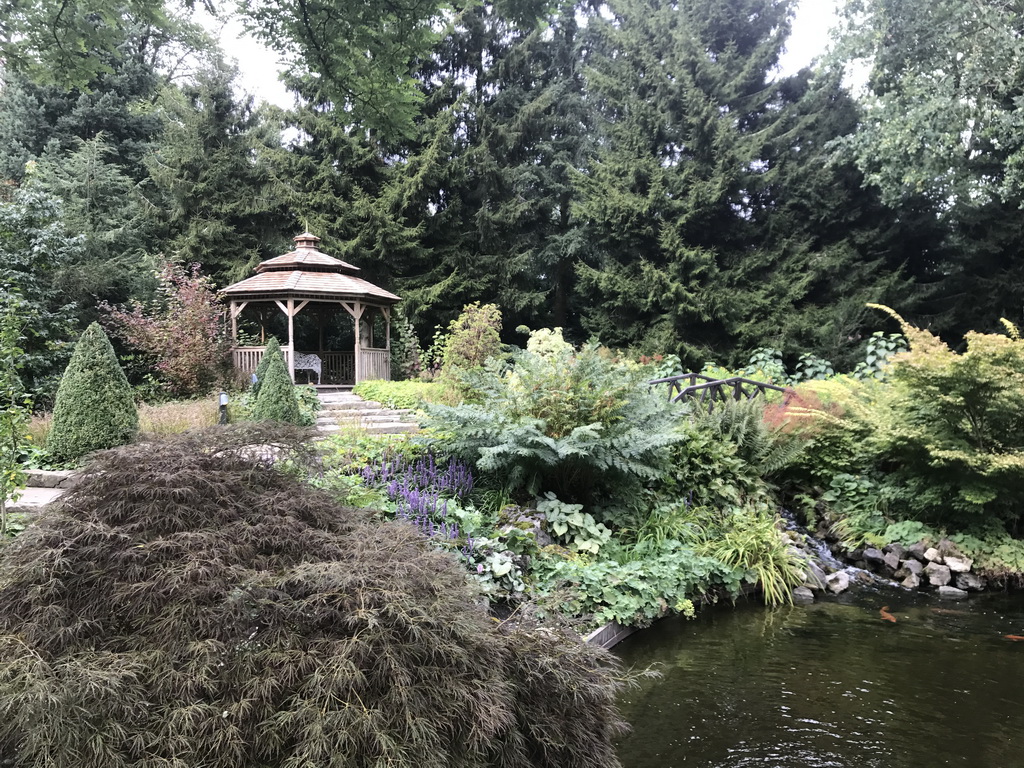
column 685, row 109
column 216, row 194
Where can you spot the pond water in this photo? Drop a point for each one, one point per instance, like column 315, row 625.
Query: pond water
column 832, row 684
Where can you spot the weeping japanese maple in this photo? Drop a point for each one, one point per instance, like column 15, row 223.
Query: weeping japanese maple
column 190, row 604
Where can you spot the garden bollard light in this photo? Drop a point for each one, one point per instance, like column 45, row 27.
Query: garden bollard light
column 223, row 408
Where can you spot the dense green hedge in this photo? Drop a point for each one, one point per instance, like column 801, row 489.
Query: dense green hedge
column 398, row 394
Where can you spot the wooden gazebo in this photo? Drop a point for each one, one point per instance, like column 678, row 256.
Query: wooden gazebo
column 308, row 279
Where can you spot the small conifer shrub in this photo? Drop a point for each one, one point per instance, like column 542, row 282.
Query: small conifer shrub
column 272, row 348
column 276, row 400
column 215, row 611
column 474, row 336
column 94, row 408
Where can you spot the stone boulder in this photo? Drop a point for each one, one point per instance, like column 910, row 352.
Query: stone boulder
column 917, row 551
column 947, row 547
column 958, row 564
column 803, row 596
column 863, row 577
column 971, row 581
column 909, row 572
column 951, row 593
column 874, row 558
column 838, row 582
column 937, row 575
column 898, row 549
column 814, row 577
column 932, row 555
column 908, row 567
column 911, row 581
column 892, row 561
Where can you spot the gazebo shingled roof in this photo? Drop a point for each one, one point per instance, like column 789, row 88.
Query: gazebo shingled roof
column 307, row 272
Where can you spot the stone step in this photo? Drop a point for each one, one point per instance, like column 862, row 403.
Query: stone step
column 381, row 419
column 34, row 499
column 51, row 478
column 362, row 413
column 376, row 428
column 343, row 410
column 334, row 404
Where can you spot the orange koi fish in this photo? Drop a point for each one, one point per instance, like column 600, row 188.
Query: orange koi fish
column 886, row 615
column 1015, row 638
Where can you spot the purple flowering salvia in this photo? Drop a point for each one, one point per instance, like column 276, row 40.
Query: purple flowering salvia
column 421, row 490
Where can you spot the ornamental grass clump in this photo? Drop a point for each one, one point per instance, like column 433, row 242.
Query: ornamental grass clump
column 188, row 604
column 94, row 407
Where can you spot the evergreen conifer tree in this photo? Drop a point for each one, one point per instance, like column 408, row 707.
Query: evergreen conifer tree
column 36, row 115
column 219, row 201
column 273, row 348
column 94, row 407
column 276, row 399
column 683, row 95
column 34, row 247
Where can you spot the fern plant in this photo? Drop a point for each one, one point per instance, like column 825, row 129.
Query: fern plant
column 573, row 423
column 741, row 422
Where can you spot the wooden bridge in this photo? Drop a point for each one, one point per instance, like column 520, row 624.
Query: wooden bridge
column 707, row 390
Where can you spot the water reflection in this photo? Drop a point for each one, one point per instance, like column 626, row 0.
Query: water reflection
column 832, row 684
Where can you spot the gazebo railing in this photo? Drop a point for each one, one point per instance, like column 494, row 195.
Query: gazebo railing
column 246, row 359
column 338, row 367
column 375, row 364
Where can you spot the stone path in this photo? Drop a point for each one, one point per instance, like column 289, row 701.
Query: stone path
column 343, row 410
column 43, row 487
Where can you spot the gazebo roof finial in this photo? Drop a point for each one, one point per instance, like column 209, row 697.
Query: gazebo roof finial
column 306, row 240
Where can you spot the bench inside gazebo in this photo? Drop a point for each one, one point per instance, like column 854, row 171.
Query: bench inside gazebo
column 324, row 288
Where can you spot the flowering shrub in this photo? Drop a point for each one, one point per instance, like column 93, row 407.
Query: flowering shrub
column 434, row 498
column 182, row 330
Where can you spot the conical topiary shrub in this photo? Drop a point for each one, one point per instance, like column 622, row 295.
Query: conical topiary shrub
column 276, row 399
column 219, row 613
column 94, row 407
column 273, row 348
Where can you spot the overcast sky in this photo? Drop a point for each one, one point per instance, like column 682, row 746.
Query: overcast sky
column 258, row 66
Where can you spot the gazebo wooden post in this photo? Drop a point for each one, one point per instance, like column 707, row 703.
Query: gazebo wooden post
column 386, row 311
column 291, row 339
column 358, row 347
